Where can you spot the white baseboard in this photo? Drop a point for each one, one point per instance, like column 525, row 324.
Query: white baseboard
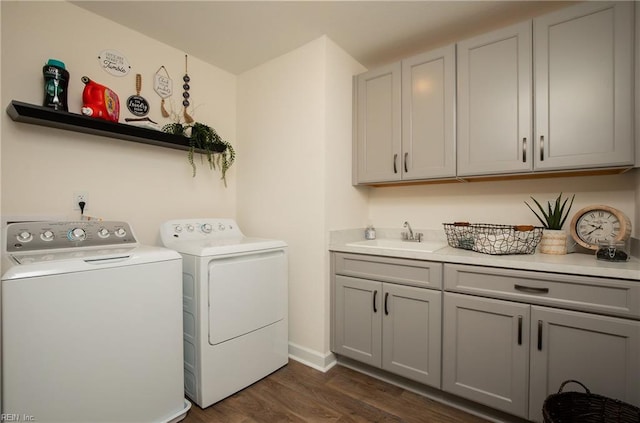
column 312, row 358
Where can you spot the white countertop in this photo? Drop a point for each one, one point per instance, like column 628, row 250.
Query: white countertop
column 574, row 263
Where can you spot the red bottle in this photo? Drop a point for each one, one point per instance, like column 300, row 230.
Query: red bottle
column 99, row 101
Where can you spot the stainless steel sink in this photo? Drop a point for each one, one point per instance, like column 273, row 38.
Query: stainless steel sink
column 396, row 244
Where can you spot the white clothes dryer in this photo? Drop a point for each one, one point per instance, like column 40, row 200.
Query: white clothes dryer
column 235, row 306
column 91, row 325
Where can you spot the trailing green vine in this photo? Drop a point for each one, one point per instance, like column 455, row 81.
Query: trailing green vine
column 205, row 140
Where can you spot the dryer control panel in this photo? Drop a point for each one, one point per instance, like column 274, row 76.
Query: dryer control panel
column 36, row 236
column 198, row 229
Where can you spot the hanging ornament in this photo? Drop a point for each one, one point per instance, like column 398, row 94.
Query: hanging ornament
column 136, row 104
column 185, row 94
column 163, row 86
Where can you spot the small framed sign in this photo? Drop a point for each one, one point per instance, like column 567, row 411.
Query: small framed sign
column 137, row 104
column 163, row 85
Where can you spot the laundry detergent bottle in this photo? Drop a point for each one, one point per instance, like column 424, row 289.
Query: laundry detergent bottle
column 56, row 81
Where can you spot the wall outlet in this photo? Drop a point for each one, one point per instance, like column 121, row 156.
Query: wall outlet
column 78, row 197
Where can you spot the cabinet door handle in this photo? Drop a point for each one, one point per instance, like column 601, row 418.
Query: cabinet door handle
column 405, row 162
column 519, row 330
column 541, row 148
column 524, row 150
column 375, row 295
column 531, row 289
column 539, row 335
column 395, row 166
column 386, row 301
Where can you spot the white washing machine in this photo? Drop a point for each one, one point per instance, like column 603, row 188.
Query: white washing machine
column 235, row 306
column 91, row 325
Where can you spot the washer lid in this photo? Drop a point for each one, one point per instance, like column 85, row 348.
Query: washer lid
column 46, row 263
column 221, row 246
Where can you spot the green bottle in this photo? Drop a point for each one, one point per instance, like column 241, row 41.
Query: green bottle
column 56, row 81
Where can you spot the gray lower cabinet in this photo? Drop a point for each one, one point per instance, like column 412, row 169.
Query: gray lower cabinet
column 601, row 352
column 510, row 355
column 393, row 326
column 486, row 351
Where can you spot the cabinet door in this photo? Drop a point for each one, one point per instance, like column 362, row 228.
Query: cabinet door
column 358, row 319
column 601, row 352
column 485, row 354
column 428, row 126
column 637, row 42
column 494, row 102
column 583, row 58
column 378, row 132
column 411, row 333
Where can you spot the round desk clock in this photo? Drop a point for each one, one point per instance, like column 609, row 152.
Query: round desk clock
column 599, row 223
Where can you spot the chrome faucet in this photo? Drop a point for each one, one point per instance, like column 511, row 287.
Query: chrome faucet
column 409, row 236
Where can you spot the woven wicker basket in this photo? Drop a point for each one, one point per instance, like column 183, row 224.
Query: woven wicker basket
column 585, row 407
column 494, row 239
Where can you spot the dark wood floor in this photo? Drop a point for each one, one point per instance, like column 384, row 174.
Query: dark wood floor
column 297, row 393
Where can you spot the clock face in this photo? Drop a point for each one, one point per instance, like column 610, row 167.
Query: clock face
column 595, row 224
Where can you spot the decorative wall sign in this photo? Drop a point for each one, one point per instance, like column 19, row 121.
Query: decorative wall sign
column 114, row 63
column 136, row 104
column 163, row 86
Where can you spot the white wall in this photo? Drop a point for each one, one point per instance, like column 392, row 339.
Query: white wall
column 142, row 184
column 294, row 127
column 280, row 174
column 345, row 206
column 428, row 206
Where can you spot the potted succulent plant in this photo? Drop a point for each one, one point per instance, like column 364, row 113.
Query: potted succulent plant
column 554, row 239
column 205, row 140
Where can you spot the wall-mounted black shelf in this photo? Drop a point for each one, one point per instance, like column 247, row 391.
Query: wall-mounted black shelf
column 44, row 116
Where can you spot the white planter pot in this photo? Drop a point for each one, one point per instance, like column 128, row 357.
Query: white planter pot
column 554, row 241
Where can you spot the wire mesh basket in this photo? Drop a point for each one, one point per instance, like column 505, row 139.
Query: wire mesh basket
column 585, row 407
column 492, row 238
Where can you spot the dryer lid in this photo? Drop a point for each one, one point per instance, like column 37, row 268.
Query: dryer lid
column 222, row 246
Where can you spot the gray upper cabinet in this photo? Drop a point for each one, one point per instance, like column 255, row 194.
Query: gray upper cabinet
column 583, row 58
column 428, row 111
column 405, row 128
column 378, row 125
column 582, row 118
column 494, row 102
column 637, row 42
column 551, row 94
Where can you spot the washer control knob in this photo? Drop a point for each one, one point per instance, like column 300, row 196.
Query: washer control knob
column 103, row 233
column 120, row 232
column 206, row 228
column 47, row 236
column 221, row 227
column 189, row 228
column 177, row 229
column 24, row 236
column 77, row 234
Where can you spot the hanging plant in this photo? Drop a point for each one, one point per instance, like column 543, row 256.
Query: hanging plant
column 204, row 139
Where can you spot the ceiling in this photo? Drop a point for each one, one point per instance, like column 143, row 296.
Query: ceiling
column 239, row 35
